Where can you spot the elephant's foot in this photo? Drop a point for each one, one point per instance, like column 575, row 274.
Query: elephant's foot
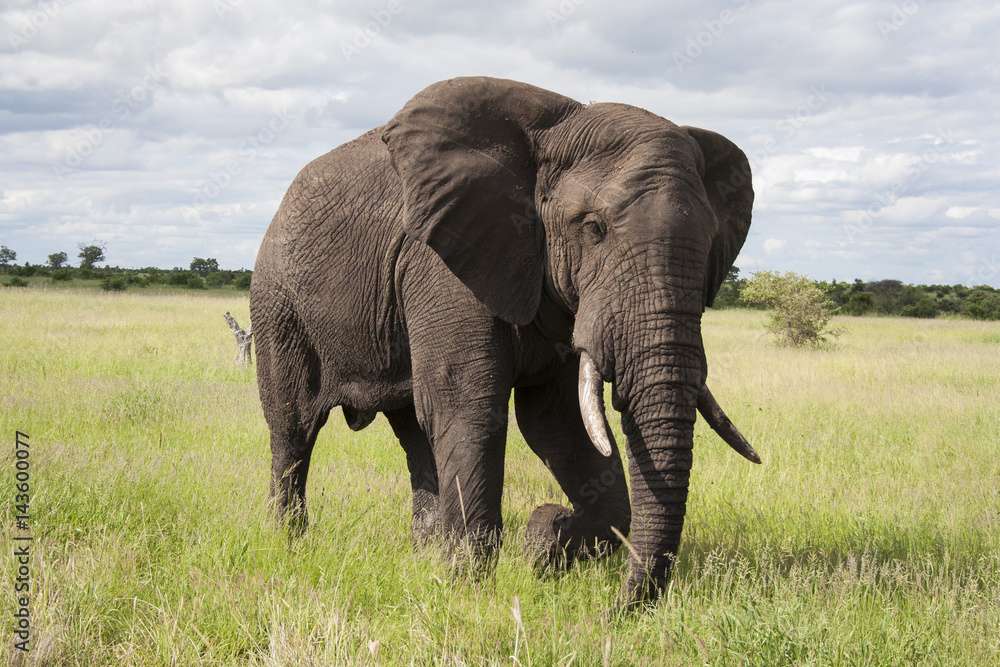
column 640, row 590
column 426, row 521
column 544, row 541
column 294, row 520
column 556, row 537
column 473, row 555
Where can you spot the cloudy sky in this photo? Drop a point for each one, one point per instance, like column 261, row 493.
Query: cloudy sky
column 170, row 130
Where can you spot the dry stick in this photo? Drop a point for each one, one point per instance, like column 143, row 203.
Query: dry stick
column 243, row 339
column 461, row 504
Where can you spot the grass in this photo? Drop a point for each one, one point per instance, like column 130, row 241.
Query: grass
column 870, row 535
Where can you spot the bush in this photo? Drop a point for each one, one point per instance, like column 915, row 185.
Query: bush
column 885, row 292
column 84, row 273
column 117, row 283
column 915, row 302
column 982, row 304
column 62, row 275
column 219, row 278
column 801, row 310
column 180, row 277
column 860, row 303
column 195, row 281
column 17, row 282
column 243, row 282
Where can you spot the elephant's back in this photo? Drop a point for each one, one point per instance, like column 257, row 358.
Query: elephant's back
column 329, row 258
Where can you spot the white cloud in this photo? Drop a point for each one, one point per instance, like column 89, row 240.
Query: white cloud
column 960, row 212
column 774, row 247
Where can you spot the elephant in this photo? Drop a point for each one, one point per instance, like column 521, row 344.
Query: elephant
column 495, row 238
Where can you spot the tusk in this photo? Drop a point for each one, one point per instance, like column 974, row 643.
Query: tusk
column 592, row 405
column 722, row 425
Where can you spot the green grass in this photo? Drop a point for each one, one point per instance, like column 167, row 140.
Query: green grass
column 870, row 535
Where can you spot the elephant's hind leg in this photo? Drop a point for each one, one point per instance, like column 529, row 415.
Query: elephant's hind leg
column 288, row 375
column 548, row 416
column 423, row 472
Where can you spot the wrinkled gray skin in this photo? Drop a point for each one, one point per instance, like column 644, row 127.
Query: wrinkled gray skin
column 484, row 240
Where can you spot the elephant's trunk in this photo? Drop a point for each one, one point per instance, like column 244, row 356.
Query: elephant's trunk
column 657, row 390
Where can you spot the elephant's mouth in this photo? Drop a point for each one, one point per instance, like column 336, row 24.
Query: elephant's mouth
column 591, row 389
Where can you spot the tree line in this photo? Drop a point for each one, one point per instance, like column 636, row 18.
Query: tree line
column 881, row 297
column 202, row 273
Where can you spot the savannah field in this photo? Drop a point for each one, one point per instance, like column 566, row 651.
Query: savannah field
column 869, row 536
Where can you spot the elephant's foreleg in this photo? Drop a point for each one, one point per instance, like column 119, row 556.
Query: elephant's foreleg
column 462, row 366
column 423, row 471
column 469, row 447
column 549, row 417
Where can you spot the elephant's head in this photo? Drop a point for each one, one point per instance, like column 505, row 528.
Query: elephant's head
column 604, row 218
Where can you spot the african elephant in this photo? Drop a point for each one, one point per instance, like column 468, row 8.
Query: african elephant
column 494, row 236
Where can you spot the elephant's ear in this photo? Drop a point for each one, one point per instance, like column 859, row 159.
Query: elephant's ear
column 464, row 149
column 730, row 193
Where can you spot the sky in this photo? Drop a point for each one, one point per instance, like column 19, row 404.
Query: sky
column 170, row 130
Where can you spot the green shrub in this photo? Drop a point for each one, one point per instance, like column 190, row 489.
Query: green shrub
column 116, row 283
column 982, row 304
column 243, row 282
column 180, row 277
column 801, row 310
column 218, row 278
column 195, row 281
column 17, row 282
column 915, row 302
column 62, row 275
column 860, row 303
column 83, row 273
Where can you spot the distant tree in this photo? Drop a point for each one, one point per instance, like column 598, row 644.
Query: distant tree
column 6, row 257
column 733, row 275
column 219, row 278
column 116, row 283
column 203, row 267
column 885, row 292
column 860, row 303
column 91, row 254
column 982, row 304
column 57, row 259
column 915, row 301
column 180, row 277
column 243, row 282
column 801, row 312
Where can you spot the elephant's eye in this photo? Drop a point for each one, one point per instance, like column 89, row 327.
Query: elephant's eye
column 594, row 229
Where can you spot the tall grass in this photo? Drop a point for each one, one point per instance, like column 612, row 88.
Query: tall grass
column 870, row 535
